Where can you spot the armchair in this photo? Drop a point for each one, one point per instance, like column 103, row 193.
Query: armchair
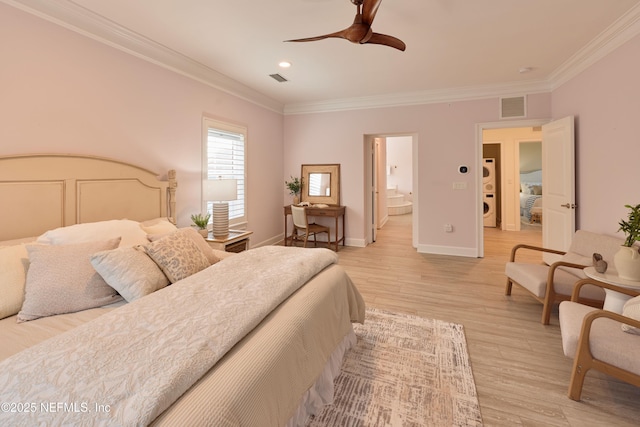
column 595, row 339
column 550, row 284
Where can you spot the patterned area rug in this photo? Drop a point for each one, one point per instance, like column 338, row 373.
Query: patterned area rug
column 404, row 371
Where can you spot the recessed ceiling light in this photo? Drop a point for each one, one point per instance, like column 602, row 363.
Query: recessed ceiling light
column 285, row 64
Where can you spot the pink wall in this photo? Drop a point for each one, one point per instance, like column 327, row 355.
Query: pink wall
column 605, row 99
column 63, row 92
column 446, row 138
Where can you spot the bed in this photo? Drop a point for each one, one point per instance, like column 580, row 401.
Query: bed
column 531, row 196
column 172, row 332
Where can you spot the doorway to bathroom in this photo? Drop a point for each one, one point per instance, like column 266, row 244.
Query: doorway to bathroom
column 391, row 173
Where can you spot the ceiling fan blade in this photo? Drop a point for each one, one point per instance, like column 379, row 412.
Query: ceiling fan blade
column 337, row 34
column 369, row 10
column 383, row 39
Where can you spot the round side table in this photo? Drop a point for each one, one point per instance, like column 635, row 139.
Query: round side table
column 613, row 301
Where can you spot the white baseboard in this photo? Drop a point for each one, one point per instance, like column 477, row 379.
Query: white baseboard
column 358, row 243
column 448, row 250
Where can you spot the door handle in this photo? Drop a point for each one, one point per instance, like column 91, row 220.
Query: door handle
column 569, row 206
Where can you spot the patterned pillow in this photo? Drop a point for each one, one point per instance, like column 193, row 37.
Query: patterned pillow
column 197, row 238
column 129, row 271
column 177, row 256
column 631, row 309
column 61, row 279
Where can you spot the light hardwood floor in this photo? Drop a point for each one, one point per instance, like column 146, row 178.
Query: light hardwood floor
column 520, row 371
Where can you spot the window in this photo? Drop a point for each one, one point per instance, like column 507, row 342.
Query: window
column 224, row 147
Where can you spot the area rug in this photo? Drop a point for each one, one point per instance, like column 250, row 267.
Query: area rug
column 404, row 371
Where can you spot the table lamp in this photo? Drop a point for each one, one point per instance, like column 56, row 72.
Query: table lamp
column 220, row 191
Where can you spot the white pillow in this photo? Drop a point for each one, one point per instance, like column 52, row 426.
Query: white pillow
column 129, row 271
column 61, row 279
column 631, row 309
column 177, row 255
column 128, row 230
column 14, row 261
column 158, row 226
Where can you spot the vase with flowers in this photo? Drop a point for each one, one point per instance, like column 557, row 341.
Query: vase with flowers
column 627, row 259
column 294, row 186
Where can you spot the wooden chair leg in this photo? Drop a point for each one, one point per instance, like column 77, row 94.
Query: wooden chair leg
column 578, row 373
column 546, row 313
column 507, row 290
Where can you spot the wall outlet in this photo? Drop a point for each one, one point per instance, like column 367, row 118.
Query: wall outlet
column 448, row 228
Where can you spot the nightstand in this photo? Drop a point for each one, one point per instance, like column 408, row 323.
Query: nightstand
column 236, row 241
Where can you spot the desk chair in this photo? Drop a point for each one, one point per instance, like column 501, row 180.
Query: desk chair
column 302, row 229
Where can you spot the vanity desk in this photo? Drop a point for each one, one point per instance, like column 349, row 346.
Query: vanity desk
column 336, row 212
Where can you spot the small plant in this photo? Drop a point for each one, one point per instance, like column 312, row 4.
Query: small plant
column 294, row 186
column 631, row 228
column 201, row 221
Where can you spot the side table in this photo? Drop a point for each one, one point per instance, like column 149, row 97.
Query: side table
column 613, row 301
column 236, row 241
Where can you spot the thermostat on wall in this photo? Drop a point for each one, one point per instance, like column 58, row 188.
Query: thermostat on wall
column 463, row 169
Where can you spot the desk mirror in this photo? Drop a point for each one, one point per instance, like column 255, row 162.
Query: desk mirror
column 321, row 184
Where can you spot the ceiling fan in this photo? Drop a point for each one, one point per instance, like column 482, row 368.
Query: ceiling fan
column 360, row 31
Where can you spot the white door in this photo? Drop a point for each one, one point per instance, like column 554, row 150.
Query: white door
column 558, row 186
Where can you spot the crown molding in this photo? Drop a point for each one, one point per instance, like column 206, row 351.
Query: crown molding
column 419, row 98
column 74, row 17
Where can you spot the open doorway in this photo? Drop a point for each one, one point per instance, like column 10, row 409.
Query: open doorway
column 502, row 144
column 391, row 177
column 512, row 157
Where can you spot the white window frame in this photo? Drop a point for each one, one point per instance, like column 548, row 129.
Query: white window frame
column 226, row 169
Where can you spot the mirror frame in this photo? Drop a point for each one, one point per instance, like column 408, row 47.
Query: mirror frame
column 334, row 171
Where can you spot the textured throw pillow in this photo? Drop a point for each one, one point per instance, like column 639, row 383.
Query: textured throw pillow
column 129, row 271
column 61, row 279
column 197, row 238
column 177, row 255
column 631, row 309
column 158, row 226
column 14, row 261
column 129, row 231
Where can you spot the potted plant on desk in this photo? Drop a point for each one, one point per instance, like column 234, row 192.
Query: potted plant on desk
column 627, row 259
column 201, row 222
column 294, row 186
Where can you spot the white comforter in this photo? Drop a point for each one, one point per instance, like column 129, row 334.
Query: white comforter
column 130, row 364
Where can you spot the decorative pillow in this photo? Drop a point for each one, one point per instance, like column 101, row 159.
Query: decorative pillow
column 128, row 230
column 158, row 226
column 61, row 279
column 14, row 261
column 197, row 238
column 177, row 256
column 129, row 271
column 631, row 309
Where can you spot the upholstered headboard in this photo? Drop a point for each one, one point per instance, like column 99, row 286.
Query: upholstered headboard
column 45, row 191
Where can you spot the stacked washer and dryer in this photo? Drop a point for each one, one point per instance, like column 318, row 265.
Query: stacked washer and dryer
column 489, row 191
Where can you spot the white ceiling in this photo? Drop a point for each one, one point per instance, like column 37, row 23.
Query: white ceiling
column 455, row 48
